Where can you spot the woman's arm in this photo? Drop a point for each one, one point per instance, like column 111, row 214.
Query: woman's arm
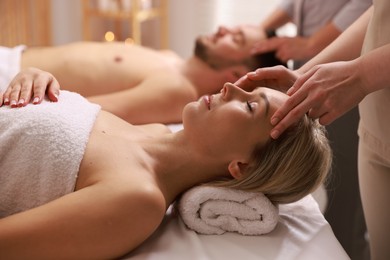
column 30, row 84
column 102, row 221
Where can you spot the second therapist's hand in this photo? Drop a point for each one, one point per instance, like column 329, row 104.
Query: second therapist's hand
column 30, row 84
column 325, row 92
column 286, row 48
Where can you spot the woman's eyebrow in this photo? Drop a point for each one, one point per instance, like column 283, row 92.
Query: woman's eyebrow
column 266, row 101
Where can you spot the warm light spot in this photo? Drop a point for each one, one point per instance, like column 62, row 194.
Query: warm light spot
column 129, row 41
column 109, row 36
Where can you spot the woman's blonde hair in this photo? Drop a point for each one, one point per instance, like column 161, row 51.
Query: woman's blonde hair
column 290, row 167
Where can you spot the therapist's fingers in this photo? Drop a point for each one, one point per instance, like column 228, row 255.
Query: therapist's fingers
column 268, row 45
column 327, row 118
column 299, row 82
column 307, row 96
column 288, row 114
column 245, row 83
column 277, row 77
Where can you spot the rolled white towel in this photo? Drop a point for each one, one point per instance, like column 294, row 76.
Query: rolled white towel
column 216, row 210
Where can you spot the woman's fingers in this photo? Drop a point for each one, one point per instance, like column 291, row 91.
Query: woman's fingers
column 14, row 95
column 53, row 90
column 25, row 93
column 39, row 89
column 30, row 84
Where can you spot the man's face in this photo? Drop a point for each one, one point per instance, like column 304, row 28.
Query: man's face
column 228, row 45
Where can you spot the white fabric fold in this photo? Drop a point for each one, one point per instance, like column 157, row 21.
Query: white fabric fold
column 10, row 59
column 216, row 210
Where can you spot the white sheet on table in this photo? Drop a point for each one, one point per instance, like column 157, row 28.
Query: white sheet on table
column 302, row 233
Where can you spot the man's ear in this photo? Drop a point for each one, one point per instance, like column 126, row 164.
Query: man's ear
column 234, row 73
column 237, row 168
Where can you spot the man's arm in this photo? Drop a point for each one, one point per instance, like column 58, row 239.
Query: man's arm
column 158, row 99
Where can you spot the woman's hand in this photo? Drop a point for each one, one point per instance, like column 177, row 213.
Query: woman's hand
column 325, row 92
column 278, row 77
column 30, row 84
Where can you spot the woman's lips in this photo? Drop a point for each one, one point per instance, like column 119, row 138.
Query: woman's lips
column 207, row 101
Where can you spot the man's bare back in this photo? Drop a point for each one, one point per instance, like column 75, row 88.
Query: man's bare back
column 95, row 68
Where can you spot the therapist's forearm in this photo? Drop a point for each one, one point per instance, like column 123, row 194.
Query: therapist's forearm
column 346, row 47
column 321, row 39
column 275, row 20
column 373, row 68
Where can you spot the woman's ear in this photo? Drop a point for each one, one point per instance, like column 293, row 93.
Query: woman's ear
column 236, row 169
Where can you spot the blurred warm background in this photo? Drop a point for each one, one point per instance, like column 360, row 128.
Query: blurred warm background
column 154, row 23
column 25, row 21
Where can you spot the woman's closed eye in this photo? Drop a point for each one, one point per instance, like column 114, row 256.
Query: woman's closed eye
column 251, row 105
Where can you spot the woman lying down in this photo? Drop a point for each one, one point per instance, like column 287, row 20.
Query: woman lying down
column 78, row 182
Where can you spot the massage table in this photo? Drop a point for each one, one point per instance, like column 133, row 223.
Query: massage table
column 301, row 233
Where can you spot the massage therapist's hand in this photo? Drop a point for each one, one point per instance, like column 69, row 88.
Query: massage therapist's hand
column 325, row 92
column 278, row 77
column 286, row 48
column 30, row 84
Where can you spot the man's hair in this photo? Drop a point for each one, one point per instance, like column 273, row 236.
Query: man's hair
column 263, row 60
column 288, row 168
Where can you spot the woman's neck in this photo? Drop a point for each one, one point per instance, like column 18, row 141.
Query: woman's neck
column 177, row 166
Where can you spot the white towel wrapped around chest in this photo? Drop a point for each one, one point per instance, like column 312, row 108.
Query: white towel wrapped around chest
column 215, row 210
column 41, row 147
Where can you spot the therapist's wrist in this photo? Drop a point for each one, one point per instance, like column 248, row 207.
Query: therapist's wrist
column 269, row 33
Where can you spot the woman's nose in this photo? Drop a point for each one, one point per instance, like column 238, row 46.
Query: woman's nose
column 230, row 91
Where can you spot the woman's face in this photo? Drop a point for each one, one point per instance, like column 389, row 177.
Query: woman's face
column 232, row 122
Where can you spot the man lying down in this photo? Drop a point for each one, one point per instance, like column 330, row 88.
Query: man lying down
column 139, row 84
column 79, row 182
